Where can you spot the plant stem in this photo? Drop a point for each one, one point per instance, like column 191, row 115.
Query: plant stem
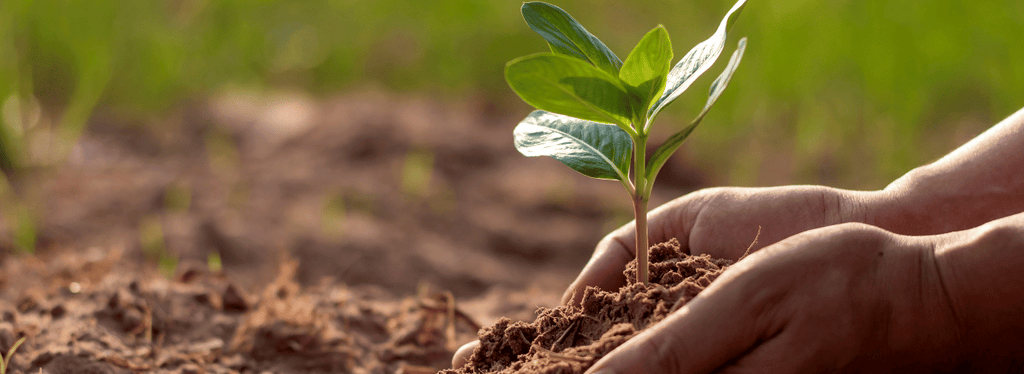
column 640, row 199
column 640, row 210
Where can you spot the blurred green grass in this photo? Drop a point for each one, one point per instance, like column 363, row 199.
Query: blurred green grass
column 847, row 93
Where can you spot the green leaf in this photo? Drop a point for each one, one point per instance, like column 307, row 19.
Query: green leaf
column 663, row 152
column 594, row 149
column 696, row 61
column 566, row 36
column 718, row 86
column 565, row 85
column 646, row 67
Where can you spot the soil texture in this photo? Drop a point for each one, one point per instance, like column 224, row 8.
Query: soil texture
column 570, row 339
column 201, row 322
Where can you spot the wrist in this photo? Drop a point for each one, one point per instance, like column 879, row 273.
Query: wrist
column 922, row 327
column 981, row 270
column 930, row 200
column 917, row 204
column 880, row 208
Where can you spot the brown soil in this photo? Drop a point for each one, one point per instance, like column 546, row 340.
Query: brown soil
column 570, row 339
column 201, row 322
column 365, row 233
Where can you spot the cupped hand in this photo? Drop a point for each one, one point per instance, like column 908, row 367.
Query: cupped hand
column 723, row 222
column 845, row 298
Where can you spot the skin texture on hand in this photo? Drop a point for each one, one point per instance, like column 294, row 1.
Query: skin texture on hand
column 845, row 298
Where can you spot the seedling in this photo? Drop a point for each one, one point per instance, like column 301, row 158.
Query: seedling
column 595, row 111
column 5, row 362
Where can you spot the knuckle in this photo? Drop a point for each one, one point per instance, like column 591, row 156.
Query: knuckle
column 1001, row 235
column 856, row 231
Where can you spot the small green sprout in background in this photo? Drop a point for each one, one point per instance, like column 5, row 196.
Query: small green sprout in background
column 6, row 361
column 332, row 216
column 154, row 245
column 417, row 171
column 596, row 110
column 213, row 262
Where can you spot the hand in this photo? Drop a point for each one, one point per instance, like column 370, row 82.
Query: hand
column 844, row 298
column 723, row 222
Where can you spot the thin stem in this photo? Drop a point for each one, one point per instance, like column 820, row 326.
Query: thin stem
column 640, row 198
column 640, row 210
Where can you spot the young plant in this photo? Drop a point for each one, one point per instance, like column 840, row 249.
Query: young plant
column 596, row 110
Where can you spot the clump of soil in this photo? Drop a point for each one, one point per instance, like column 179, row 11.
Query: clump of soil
column 570, row 339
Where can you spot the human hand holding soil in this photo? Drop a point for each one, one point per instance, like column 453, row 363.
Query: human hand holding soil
column 832, row 299
column 850, row 298
column 721, row 222
column 978, row 182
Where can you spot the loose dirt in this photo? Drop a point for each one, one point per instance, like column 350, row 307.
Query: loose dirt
column 92, row 318
column 570, row 339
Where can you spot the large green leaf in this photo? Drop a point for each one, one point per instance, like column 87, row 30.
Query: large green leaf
column 568, row 37
column 647, row 66
column 569, row 86
column 594, row 149
column 663, row 152
column 696, row 61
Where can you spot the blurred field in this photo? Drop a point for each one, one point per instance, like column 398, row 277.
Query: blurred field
column 850, row 93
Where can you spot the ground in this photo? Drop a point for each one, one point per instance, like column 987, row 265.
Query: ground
column 250, row 232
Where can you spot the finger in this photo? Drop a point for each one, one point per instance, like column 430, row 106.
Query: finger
column 712, row 329
column 462, row 355
column 604, row 270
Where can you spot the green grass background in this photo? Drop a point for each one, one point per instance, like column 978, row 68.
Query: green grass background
column 850, row 93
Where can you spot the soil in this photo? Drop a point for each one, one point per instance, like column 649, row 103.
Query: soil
column 570, row 339
column 201, row 322
column 369, row 232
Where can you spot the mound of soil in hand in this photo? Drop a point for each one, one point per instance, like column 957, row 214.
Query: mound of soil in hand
column 570, row 339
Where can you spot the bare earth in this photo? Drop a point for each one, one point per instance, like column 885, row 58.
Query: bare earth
column 365, row 233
